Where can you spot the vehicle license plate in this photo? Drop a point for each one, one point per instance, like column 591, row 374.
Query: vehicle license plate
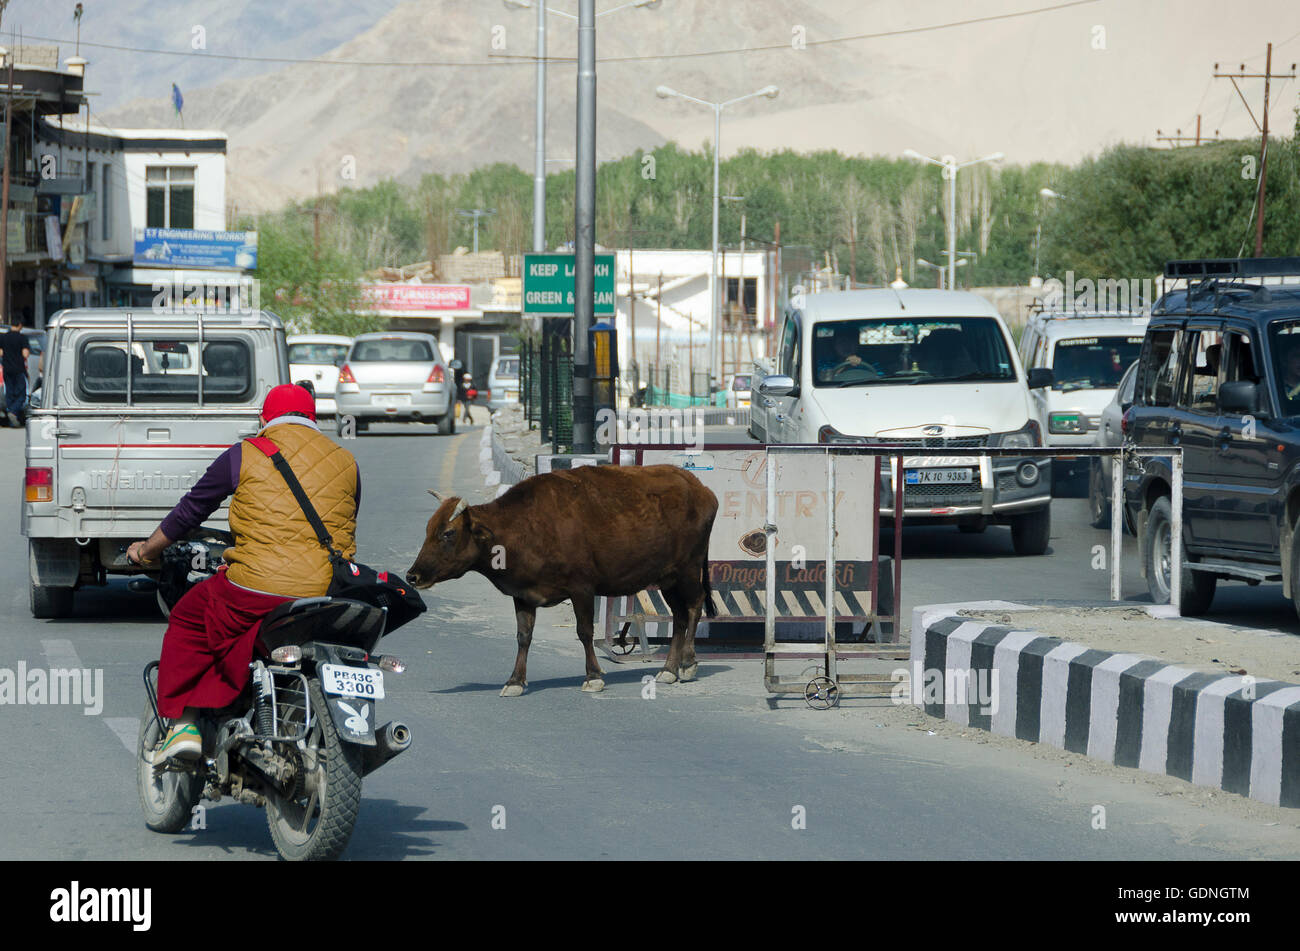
column 512, row 394
column 941, row 476
column 352, row 681
column 391, row 399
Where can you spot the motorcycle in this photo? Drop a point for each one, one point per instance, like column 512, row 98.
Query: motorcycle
column 300, row 737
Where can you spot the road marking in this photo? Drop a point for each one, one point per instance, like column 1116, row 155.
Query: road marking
column 127, row 729
column 447, row 474
column 61, row 653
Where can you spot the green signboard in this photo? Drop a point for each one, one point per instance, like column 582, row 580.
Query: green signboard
column 548, row 285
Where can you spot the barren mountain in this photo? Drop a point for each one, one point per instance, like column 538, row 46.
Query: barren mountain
column 1055, row 85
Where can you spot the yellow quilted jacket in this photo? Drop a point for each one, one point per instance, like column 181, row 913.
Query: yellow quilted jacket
column 275, row 548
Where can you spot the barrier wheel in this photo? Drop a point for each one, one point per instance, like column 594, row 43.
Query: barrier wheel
column 622, row 646
column 822, row 693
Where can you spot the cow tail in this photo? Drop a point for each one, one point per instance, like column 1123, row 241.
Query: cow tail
column 710, row 609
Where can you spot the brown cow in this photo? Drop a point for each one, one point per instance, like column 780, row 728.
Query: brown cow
column 574, row 534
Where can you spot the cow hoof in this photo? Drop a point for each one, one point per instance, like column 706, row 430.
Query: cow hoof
column 593, row 686
column 512, row 690
column 688, row 673
column 666, row 677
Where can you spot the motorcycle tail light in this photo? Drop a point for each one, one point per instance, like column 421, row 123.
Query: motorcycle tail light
column 390, row 663
column 345, row 375
column 39, row 485
column 288, row 654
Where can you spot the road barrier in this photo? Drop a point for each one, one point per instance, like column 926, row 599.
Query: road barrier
column 861, row 484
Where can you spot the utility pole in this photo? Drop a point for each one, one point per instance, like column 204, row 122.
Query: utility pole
column 4, row 193
column 584, row 230
column 539, row 154
column 476, row 214
column 1268, row 75
column 1177, row 139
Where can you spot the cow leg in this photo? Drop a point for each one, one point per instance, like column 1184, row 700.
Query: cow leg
column 692, row 596
column 525, row 618
column 672, row 665
column 584, row 610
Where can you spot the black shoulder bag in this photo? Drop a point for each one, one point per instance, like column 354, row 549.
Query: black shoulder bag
column 353, row 581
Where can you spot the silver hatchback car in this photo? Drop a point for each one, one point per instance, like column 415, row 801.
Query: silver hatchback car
column 395, row 375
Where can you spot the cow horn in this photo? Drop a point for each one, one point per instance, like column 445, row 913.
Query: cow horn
column 435, row 495
column 460, row 507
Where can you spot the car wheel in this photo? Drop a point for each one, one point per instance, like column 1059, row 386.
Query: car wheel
column 1157, row 543
column 49, row 602
column 1031, row 532
column 1098, row 498
column 447, row 423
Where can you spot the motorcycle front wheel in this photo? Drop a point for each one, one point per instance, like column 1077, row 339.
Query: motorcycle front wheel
column 315, row 822
column 167, row 796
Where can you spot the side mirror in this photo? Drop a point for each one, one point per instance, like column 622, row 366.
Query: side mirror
column 1040, row 377
column 1238, row 396
column 778, row 386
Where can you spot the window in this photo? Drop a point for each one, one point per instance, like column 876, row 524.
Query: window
column 169, row 197
column 318, row 353
column 106, row 202
column 1285, row 339
column 790, row 350
column 392, row 350
column 926, row 350
column 1092, row 363
column 1205, row 349
column 1160, row 367
column 164, row 370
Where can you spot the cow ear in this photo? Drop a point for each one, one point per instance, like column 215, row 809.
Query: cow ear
column 481, row 532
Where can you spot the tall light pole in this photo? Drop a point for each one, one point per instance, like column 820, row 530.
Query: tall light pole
column 539, row 145
column 1038, row 235
column 951, row 167
column 476, row 214
column 664, row 92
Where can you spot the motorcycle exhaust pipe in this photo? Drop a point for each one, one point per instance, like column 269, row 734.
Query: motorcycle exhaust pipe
column 391, row 739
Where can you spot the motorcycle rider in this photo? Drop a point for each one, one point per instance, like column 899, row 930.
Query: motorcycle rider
column 276, row 557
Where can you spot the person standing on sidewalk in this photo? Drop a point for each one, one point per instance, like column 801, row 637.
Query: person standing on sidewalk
column 463, row 384
column 14, row 350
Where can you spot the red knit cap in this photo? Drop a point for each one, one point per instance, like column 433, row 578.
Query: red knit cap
column 288, row 398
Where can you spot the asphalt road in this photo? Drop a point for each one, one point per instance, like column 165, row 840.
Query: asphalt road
column 711, row 769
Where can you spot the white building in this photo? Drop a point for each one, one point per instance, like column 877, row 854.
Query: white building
column 139, row 209
column 670, row 289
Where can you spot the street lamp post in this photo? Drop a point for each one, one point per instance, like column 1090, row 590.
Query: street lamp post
column 1038, row 233
column 539, row 147
column 664, row 92
column 951, row 167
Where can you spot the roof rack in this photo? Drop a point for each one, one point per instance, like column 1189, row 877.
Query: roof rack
column 1232, row 268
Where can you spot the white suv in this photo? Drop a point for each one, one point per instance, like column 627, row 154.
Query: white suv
column 920, row 368
column 1087, row 354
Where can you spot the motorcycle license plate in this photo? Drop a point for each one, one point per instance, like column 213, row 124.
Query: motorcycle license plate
column 352, row 681
column 940, row 476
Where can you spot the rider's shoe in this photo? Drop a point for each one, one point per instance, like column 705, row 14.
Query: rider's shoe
column 183, row 743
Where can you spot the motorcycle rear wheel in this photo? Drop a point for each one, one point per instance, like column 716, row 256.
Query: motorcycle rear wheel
column 167, row 797
column 316, row 823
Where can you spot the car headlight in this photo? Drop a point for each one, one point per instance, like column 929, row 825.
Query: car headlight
column 1027, row 437
column 1067, row 423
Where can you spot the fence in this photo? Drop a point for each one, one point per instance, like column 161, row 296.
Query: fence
column 546, row 382
column 675, row 386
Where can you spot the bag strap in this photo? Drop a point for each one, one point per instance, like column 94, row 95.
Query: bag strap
column 272, row 452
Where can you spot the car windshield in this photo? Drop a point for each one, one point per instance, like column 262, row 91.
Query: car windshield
column 866, row 352
column 740, row 384
column 392, row 350
column 324, row 353
column 508, row 369
column 1285, row 340
column 1093, row 363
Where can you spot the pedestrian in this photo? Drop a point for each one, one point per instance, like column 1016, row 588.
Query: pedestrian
column 14, row 351
column 464, row 386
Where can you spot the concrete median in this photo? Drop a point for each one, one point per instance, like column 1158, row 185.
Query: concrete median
column 1237, row 733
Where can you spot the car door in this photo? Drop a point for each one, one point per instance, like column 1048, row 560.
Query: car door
column 1198, row 422
column 1248, row 462
column 1155, row 421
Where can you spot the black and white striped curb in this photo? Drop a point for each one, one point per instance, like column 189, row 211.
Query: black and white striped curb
column 1240, row 734
column 550, row 462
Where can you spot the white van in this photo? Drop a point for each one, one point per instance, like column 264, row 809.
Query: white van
column 1087, row 354
column 918, row 368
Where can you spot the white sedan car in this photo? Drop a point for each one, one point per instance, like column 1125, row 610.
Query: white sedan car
column 317, row 358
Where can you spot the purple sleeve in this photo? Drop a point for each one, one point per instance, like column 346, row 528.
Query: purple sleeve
column 213, row 488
